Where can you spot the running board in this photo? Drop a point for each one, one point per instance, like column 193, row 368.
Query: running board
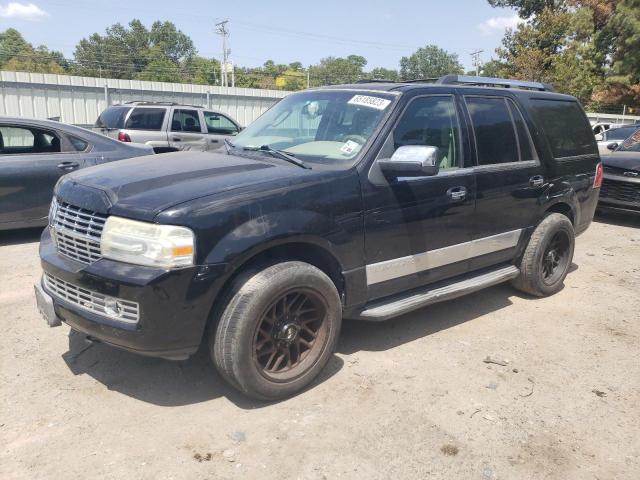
column 399, row 305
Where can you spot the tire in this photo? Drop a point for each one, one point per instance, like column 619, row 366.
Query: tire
column 290, row 308
column 552, row 243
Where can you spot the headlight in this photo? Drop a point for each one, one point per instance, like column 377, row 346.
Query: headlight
column 142, row 243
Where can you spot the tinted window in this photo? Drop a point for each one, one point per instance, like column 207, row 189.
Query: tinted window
column 217, row 123
column 78, row 144
column 19, row 140
column 185, row 121
column 113, row 117
column 527, row 150
column 431, row 121
column 619, row 133
column 146, row 119
column 565, row 126
column 494, row 131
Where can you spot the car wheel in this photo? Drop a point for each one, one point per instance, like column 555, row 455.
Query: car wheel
column 547, row 258
column 277, row 330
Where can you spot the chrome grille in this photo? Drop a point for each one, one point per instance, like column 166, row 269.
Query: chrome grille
column 77, row 231
column 103, row 305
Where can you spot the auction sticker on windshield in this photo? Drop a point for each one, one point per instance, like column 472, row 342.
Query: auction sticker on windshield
column 369, row 101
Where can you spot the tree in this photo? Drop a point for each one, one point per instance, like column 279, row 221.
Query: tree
column 135, row 52
column 336, row 70
column 528, row 8
column 429, row 62
column 381, row 73
column 19, row 55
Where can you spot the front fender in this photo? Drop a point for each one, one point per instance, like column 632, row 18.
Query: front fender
column 260, row 233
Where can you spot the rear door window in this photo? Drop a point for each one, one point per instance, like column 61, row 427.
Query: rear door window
column 185, row 121
column 113, row 117
column 566, row 127
column 527, row 149
column 145, row 119
column 621, row 133
column 495, row 133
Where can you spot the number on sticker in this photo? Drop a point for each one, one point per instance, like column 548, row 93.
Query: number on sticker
column 369, row 101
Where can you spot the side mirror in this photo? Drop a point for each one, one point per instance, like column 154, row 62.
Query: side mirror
column 599, row 137
column 411, row 161
column 612, row 146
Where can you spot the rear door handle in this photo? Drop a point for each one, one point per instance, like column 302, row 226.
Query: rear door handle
column 457, row 193
column 177, row 139
column 215, row 140
column 68, row 165
column 536, row 181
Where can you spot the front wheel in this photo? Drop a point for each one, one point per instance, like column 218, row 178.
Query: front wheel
column 278, row 330
column 547, row 258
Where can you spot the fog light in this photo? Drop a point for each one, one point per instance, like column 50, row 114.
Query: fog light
column 113, row 307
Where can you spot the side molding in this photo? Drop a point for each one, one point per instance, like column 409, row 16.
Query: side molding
column 400, row 267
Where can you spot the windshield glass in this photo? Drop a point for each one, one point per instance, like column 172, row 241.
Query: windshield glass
column 325, row 127
column 619, row 133
column 631, row 144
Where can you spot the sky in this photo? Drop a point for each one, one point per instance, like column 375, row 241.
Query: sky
column 281, row 30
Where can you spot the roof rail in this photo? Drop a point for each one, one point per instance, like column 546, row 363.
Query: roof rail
column 164, row 104
column 374, row 80
column 494, row 82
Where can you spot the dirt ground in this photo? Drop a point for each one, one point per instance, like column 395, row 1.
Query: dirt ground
column 410, row 398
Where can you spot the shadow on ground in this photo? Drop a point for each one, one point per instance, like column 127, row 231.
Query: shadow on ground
column 618, row 219
column 15, row 237
column 167, row 383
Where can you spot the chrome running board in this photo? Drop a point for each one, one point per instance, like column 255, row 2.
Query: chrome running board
column 405, row 303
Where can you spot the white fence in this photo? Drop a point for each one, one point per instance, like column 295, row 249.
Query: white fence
column 79, row 100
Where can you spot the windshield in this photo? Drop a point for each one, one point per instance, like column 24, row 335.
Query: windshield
column 325, row 127
column 619, row 133
column 631, row 144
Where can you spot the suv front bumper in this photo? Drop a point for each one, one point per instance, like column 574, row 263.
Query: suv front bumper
column 174, row 306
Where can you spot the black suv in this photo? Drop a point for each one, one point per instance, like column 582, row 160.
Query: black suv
column 360, row 201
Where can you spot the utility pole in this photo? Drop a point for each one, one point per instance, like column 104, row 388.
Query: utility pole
column 224, row 33
column 475, row 60
column 308, row 77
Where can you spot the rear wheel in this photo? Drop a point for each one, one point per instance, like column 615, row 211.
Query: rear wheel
column 547, row 258
column 278, row 330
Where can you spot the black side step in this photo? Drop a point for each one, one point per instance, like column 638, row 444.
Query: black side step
column 405, row 303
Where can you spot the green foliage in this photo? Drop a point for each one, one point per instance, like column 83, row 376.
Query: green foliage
column 336, row 70
column 384, row 74
column 528, row 8
column 429, row 62
column 19, row 55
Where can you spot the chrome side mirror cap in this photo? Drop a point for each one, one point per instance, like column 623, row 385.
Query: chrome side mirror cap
column 411, row 161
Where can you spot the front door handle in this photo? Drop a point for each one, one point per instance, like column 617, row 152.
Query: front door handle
column 177, row 139
column 536, row 181
column 68, row 165
column 457, row 193
column 213, row 140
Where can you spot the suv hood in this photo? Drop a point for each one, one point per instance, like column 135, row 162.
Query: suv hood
column 142, row 187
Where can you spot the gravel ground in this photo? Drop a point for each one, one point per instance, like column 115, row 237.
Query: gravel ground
column 410, row 398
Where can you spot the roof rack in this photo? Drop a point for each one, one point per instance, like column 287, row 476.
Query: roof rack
column 374, row 80
column 493, row 82
column 164, row 104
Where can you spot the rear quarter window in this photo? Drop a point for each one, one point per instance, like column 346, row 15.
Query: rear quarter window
column 112, row 117
column 565, row 126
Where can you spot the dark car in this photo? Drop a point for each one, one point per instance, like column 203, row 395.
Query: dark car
column 621, row 186
column 362, row 201
column 34, row 154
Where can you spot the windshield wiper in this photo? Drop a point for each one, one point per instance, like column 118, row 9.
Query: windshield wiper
column 281, row 154
column 228, row 145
